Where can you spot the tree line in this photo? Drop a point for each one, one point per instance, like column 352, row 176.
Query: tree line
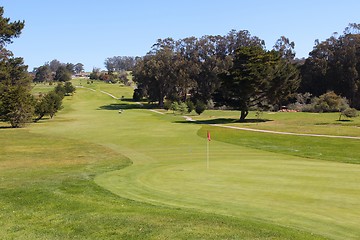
column 118, row 68
column 18, row 105
column 56, row 71
column 233, row 70
column 334, row 65
column 237, row 71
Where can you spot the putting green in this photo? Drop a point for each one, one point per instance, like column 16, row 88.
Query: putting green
column 169, row 168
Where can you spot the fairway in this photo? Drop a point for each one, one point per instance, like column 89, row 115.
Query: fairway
column 283, row 195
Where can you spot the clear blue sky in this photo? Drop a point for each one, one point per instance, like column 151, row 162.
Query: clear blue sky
column 89, row 31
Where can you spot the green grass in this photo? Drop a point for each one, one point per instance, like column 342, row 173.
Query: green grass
column 92, row 173
column 42, row 88
column 330, row 149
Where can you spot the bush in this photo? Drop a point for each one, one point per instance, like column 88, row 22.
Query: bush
column 174, row 107
column 183, row 108
column 328, row 102
column 69, row 88
column 167, row 105
column 349, row 112
column 190, row 106
column 60, row 90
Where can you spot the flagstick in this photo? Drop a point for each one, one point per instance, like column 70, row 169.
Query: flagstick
column 207, row 154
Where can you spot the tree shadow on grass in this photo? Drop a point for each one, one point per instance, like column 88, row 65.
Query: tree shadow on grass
column 126, row 106
column 225, row 121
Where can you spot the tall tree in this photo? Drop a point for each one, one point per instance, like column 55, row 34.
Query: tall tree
column 62, row 74
column 54, row 65
column 155, row 74
column 43, row 74
column 257, row 78
column 54, row 102
column 119, row 63
column 334, row 65
column 9, row 30
column 79, row 67
column 70, row 67
column 285, row 48
column 16, row 102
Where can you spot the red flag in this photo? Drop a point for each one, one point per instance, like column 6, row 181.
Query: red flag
column 208, row 136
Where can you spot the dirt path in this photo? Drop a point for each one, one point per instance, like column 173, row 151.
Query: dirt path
column 152, row 110
column 86, row 88
column 108, row 94
column 100, row 91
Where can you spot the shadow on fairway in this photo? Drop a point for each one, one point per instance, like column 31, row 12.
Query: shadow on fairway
column 224, row 121
column 127, row 105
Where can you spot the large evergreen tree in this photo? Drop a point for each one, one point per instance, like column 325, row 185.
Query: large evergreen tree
column 258, row 78
column 16, row 102
column 9, row 30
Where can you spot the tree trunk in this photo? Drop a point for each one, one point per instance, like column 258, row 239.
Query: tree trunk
column 161, row 102
column 161, row 97
column 39, row 118
column 243, row 115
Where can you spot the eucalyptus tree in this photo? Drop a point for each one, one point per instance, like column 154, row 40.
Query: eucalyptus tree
column 54, row 65
column 43, row 74
column 334, row 64
column 79, row 67
column 285, row 48
column 119, row 63
column 155, row 73
column 210, row 62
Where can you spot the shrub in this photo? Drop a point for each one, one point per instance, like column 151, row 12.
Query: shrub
column 60, row 90
column 183, row 108
column 328, row 102
column 349, row 112
column 69, row 88
column 167, row 105
column 174, row 107
column 190, row 106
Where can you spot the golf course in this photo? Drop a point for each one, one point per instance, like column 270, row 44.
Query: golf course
column 93, row 172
